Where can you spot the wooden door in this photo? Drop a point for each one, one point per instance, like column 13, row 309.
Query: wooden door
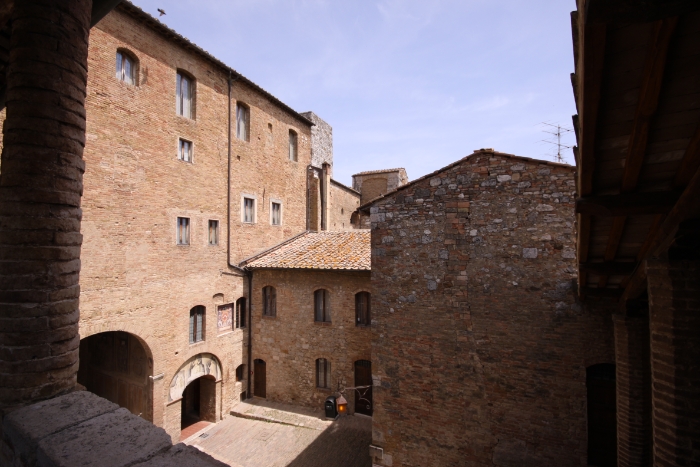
column 259, row 379
column 363, row 377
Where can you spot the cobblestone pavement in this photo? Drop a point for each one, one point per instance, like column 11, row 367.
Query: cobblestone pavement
column 241, row 442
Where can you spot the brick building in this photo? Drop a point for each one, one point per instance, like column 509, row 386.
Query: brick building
column 480, row 347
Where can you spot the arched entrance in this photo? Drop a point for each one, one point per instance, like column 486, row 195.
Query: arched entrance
column 602, row 420
column 116, row 365
column 259, row 378
column 363, row 377
column 199, row 402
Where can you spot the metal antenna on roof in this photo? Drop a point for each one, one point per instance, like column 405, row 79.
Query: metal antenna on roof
column 560, row 130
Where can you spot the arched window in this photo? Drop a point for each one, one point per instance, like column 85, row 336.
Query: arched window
column 184, row 95
column 240, row 313
column 240, row 373
column 242, row 121
column 322, row 306
column 323, row 373
column 269, row 301
column 197, row 324
column 292, row 145
column 127, row 67
column 362, row 309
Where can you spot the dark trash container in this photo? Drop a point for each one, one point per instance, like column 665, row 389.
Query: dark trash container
column 329, row 406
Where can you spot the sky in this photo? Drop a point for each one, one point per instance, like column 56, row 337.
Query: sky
column 416, row 84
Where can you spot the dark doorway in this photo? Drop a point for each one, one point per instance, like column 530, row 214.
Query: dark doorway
column 363, row 377
column 198, row 402
column 259, row 379
column 602, row 422
column 116, row 365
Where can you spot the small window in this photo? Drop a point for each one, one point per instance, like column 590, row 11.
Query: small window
column 248, row 210
column 126, row 68
column 213, row 232
column 292, row 145
column 269, row 301
column 184, row 151
column 242, row 122
column 362, row 309
column 276, row 213
column 240, row 373
column 184, row 95
column 322, row 308
column 183, row 231
column 197, row 324
column 240, row 313
column 323, row 373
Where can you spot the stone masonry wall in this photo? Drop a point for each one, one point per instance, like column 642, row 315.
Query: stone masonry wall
column 479, row 346
column 291, row 342
column 321, row 141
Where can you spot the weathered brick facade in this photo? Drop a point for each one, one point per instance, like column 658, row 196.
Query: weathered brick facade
column 479, row 347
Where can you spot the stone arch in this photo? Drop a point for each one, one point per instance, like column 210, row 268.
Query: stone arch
column 203, row 364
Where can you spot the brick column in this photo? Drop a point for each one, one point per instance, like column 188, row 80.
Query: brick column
column 40, row 191
column 632, row 367
column 674, row 305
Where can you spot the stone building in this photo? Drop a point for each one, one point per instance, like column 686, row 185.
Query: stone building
column 481, row 349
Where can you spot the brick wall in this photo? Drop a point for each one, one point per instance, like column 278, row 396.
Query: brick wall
column 375, row 183
column 480, row 347
column 291, row 342
column 343, row 202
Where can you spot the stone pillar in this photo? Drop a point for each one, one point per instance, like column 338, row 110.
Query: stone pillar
column 632, row 368
column 674, row 306
column 40, row 190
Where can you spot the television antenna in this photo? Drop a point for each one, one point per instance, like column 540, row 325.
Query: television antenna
column 555, row 140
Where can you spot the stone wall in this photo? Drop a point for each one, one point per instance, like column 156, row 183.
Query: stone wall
column 291, row 342
column 479, row 344
column 321, row 141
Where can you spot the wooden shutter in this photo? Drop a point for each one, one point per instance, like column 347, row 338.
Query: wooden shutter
column 191, row 326
column 200, row 323
column 178, row 95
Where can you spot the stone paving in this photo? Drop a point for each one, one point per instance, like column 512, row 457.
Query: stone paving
column 298, row 438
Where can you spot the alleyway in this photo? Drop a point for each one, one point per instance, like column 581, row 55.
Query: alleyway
column 241, row 442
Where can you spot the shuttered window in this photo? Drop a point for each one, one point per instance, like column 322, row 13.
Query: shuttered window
column 184, row 152
column 362, row 309
column 323, row 373
column 269, row 301
column 240, row 313
column 322, row 306
column 248, row 210
column 213, row 232
column 276, row 213
column 242, row 122
column 292, row 145
column 197, row 324
column 126, row 68
column 183, row 231
column 184, row 95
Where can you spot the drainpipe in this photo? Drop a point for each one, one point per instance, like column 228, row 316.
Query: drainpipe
column 250, row 330
column 239, row 270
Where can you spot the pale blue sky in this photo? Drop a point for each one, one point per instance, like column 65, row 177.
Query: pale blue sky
column 404, row 83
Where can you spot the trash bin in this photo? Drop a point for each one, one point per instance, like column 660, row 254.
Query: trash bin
column 329, row 407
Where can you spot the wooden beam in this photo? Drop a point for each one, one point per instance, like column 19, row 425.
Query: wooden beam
column 629, row 204
column 637, row 11
column 648, row 102
column 609, row 268
column 574, row 38
column 690, row 162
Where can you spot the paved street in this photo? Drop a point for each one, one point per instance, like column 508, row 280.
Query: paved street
column 241, row 442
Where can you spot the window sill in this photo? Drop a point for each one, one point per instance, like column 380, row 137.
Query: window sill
column 323, row 323
column 182, row 244
column 187, row 119
column 269, row 317
column 195, row 344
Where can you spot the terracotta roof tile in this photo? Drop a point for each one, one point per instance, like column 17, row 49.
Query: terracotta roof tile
column 348, row 250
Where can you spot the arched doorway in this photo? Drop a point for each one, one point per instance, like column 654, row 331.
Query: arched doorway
column 602, row 420
column 198, row 402
column 116, row 365
column 259, row 378
column 363, row 377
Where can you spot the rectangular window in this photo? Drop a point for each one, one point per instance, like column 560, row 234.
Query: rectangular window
column 184, row 152
column 322, row 309
column 323, row 373
column 362, row 309
column 242, row 122
column 276, row 213
column 292, row 145
column 269, row 301
column 184, row 96
column 183, row 231
column 197, row 324
column 213, row 232
column 248, row 210
column 125, row 68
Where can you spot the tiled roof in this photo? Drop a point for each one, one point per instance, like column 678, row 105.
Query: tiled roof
column 379, row 171
column 349, row 250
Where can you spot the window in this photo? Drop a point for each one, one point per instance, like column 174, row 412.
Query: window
column 292, row 145
column 184, row 95
column 183, row 231
column 240, row 373
column 323, row 373
column 275, row 213
column 248, row 210
column 197, row 324
column 184, row 150
column 240, row 313
column 213, row 232
column 362, row 309
column 269, row 301
column 242, row 122
column 126, row 68
column 322, row 308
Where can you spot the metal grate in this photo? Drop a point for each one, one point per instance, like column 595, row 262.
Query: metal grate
column 204, row 435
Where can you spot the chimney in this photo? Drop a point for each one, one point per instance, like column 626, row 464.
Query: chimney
column 325, row 193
